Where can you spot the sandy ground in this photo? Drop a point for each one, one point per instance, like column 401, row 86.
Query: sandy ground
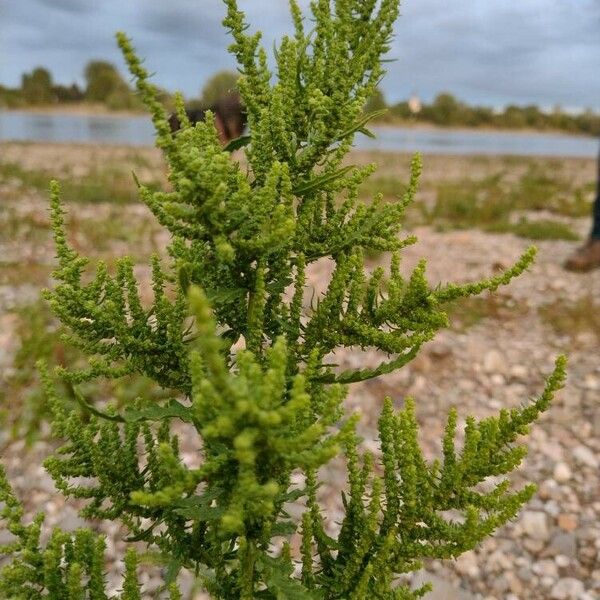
column 552, row 551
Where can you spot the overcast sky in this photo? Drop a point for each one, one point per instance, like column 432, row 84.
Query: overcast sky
column 485, row 51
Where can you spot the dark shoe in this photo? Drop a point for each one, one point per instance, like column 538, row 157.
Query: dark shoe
column 585, row 258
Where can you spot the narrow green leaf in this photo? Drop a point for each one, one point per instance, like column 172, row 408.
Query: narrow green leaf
column 238, row 143
column 320, row 181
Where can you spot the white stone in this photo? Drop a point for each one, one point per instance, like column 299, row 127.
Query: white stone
column 466, row 564
column 567, row 588
column 493, row 362
column 562, row 472
column 586, row 457
column 535, row 524
column 545, row 568
column 562, row 561
column 519, row 371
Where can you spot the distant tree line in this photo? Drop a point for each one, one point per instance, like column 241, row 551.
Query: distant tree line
column 447, row 111
column 103, row 84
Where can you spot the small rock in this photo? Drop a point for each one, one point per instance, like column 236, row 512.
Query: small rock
column 552, row 508
column 562, row 472
column 587, row 338
column 545, row 568
column 466, row 564
column 549, row 489
column 498, row 380
column 591, row 382
column 585, row 456
column 6, row 537
column 562, row 561
column 533, row 546
column 519, row 372
column 525, row 574
column 70, row 520
column 553, row 449
column 516, row 585
column 493, row 362
column 500, row 561
column 567, row 588
column 567, row 522
column 442, row 589
column 564, row 544
column 500, row 584
column 535, row 524
column 439, row 349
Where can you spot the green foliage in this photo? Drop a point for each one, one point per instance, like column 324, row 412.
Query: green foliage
column 36, row 86
column 69, row 566
column 41, row 339
column 220, row 85
column 247, row 369
column 448, row 111
column 376, row 102
column 102, row 79
column 105, row 84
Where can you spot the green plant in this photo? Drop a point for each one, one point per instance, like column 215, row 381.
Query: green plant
column 41, row 339
column 220, row 85
column 249, row 369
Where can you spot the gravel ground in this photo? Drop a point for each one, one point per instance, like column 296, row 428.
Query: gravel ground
column 552, row 551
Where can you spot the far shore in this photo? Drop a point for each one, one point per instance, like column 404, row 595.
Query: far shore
column 85, row 109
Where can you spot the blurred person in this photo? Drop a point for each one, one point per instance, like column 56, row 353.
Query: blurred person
column 229, row 115
column 587, row 257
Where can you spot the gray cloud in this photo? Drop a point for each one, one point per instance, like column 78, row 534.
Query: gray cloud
column 498, row 52
column 492, row 52
column 69, row 6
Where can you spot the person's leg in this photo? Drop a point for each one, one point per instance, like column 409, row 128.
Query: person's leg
column 595, row 235
column 587, row 257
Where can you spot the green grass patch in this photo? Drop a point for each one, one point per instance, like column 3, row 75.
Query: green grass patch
column 469, row 204
column 110, row 184
column 544, row 189
column 391, row 187
column 493, row 204
column 572, row 318
column 467, row 312
column 544, row 229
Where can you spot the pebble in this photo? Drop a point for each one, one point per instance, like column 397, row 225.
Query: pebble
column 562, row 472
column 564, row 544
column 494, row 362
column 567, row 588
column 545, row 568
column 562, row 561
column 567, row 522
column 585, row 456
column 519, row 372
column 535, row 524
column 466, row 564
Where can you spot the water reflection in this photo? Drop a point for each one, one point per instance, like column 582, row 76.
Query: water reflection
column 138, row 130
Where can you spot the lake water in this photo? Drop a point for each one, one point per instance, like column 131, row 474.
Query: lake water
column 138, row 130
